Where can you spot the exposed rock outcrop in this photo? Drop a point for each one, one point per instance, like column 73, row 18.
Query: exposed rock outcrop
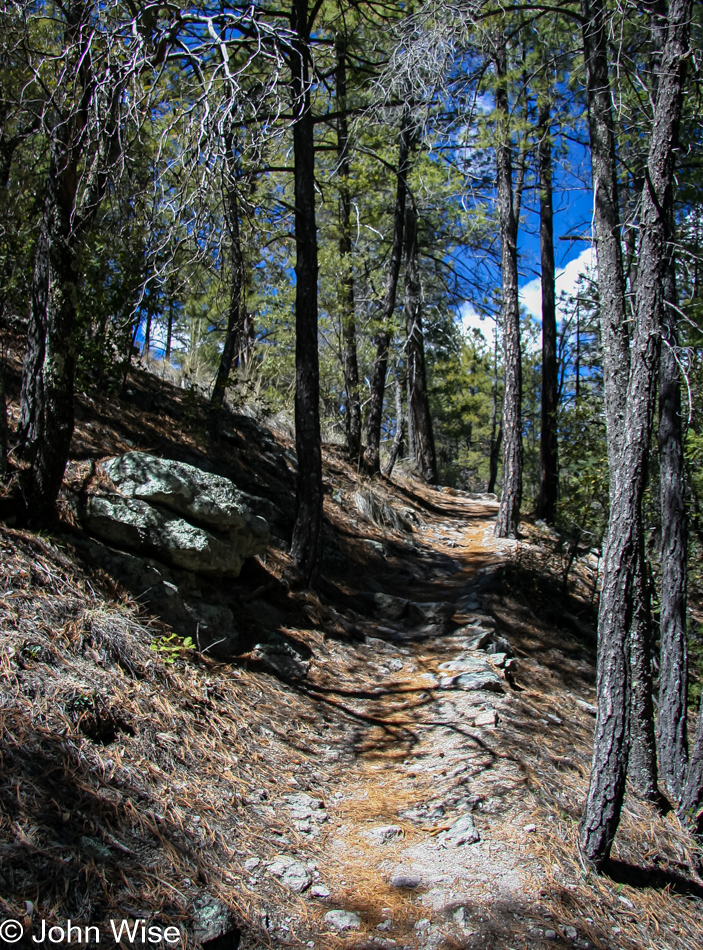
column 177, row 513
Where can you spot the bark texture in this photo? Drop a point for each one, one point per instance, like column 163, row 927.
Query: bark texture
column 628, row 466
column 418, row 399
column 691, row 806
column 229, row 358
column 308, row 521
column 374, row 418
column 46, row 401
column 673, row 655
column 350, row 362
column 399, row 424
column 511, row 496
column 548, row 449
column 642, row 760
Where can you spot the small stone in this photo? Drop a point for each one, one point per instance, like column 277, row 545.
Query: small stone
column 550, row 935
column 488, row 717
column 571, row 933
column 384, row 925
column 386, row 833
column 475, row 681
column 405, row 879
column 319, row 890
column 530, row 828
column 343, row 919
column 290, row 872
column 422, row 926
column 462, row 831
column 499, row 659
column 252, row 863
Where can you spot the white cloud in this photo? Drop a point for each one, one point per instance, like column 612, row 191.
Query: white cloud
column 566, row 283
column 472, row 320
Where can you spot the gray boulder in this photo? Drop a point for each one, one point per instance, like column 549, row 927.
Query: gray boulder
column 188, row 491
column 135, row 525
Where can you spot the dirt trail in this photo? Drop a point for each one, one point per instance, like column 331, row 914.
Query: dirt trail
column 427, row 827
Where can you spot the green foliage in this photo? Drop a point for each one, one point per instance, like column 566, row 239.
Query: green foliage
column 171, row 647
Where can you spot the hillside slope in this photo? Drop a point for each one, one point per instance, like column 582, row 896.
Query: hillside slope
column 413, row 779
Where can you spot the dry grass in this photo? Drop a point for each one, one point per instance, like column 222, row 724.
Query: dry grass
column 159, row 763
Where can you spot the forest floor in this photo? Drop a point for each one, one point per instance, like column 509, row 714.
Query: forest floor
column 382, row 800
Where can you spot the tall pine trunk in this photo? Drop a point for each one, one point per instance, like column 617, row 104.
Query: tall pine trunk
column 673, row 656
column 229, row 357
column 418, row 399
column 548, row 449
column 399, row 423
column 622, row 556
column 511, row 496
column 308, row 520
column 352, row 415
column 374, row 418
column 46, row 401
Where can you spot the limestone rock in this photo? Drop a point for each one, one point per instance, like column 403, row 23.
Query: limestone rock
column 135, row 525
column 343, row 919
column 188, row 491
column 471, row 681
column 462, row 831
column 213, row 920
column 406, row 879
column 385, row 833
column 290, row 872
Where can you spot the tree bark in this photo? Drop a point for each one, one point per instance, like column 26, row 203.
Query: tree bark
column 548, row 449
column 511, row 496
column 352, row 415
column 233, row 331
column 611, row 740
column 642, row 759
column 691, row 805
column 673, row 655
column 46, row 401
column 308, row 521
column 399, row 424
column 418, row 399
column 372, row 456
column 622, row 552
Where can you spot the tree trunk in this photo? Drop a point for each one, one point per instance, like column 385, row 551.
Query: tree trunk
column 691, row 806
column 352, row 415
column 372, row 456
column 233, row 331
column 642, row 759
column 611, row 740
column 399, row 424
column 622, row 552
column 511, row 496
column 418, row 400
column 673, row 657
column 46, row 401
column 548, row 449
column 496, row 430
column 308, row 519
